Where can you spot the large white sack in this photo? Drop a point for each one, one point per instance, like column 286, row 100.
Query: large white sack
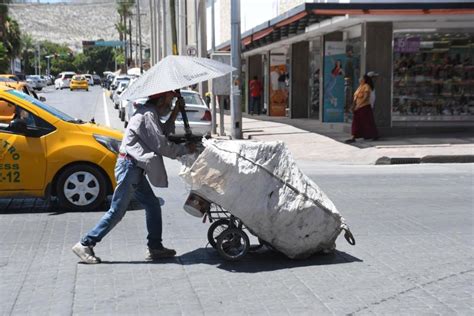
column 260, row 183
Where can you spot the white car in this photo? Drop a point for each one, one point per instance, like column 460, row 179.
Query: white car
column 117, row 79
column 122, row 85
column 90, row 79
column 63, row 80
column 130, row 108
column 198, row 113
column 35, row 82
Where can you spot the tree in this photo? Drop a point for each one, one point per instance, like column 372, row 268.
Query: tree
column 10, row 32
column 4, row 61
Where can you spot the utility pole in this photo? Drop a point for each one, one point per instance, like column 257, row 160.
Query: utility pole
column 165, row 31
column 152, row 31
column 158, row 26
column 130, row 36
column 174, row 33
column 140, row 36
column 213, row 97
column 182, row 27
column 235, row 49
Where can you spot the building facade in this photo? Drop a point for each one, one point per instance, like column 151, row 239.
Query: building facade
column 421, row 54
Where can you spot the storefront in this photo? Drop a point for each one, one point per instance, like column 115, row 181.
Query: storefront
column 433, row 75
column 421, row 54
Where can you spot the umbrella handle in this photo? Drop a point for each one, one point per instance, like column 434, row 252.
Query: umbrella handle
column 184, row 116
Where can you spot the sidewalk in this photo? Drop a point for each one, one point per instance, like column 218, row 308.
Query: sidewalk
column 310, row 140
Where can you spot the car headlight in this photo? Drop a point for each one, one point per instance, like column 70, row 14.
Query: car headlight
column 111, row 144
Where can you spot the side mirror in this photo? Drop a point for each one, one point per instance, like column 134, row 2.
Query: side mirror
column 42, row 99
column 19, row 126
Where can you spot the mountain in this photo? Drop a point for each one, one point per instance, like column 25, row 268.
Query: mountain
column 73, row 22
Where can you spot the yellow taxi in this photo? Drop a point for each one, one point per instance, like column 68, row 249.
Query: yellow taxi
column 12, row 77
column 46, row 153
column 79, row 82
column 20, row 86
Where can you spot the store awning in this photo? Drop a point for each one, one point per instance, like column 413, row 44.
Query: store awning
column 296, row 21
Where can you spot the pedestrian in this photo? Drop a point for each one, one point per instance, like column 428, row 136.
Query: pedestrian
column 373, row 75
column 255, row 95
column 143, row 146
column 363, row 122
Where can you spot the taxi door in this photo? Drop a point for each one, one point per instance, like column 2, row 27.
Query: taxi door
column 22, row 155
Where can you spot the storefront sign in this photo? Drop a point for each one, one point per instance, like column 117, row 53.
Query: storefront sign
column 278, row 85
column 407, row 44
column 333, row 101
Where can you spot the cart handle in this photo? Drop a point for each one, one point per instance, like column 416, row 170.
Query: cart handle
column 348, row 236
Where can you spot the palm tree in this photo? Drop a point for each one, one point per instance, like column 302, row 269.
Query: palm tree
column 27, row 48
column 124, row 10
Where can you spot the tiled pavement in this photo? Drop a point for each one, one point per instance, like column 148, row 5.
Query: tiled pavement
column 414, row 254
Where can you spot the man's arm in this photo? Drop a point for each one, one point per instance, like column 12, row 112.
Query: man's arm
column 150, row 133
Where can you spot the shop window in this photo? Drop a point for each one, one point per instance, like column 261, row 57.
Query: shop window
column 433, row 76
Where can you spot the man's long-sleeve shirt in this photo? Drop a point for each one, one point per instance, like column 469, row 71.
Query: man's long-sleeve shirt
column 145, row 141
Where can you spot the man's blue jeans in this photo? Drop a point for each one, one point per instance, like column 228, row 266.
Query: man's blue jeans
column 131, row 181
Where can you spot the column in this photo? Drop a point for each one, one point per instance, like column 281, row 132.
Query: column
column 299, row 80
column 377, row 55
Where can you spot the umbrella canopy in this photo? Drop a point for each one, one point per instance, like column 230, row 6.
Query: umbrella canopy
column 175, row 72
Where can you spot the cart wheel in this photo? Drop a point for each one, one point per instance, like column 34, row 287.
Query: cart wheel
column 216, row 229
column 233, row 244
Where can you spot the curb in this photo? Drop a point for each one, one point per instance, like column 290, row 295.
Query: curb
column 426, row 159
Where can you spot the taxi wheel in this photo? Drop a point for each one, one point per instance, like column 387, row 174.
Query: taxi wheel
column 81, row 187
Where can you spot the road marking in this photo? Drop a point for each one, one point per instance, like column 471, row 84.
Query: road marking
column 107, row 119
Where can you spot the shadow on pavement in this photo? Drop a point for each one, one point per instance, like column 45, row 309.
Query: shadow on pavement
column 262, row 260
column 28, row 205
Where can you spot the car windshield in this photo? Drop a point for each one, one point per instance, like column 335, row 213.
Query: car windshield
column 47, row 108
column 68, row 76
column 78, row 78
column 192, row 98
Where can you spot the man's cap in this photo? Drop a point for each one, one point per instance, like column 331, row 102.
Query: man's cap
column 372, row 74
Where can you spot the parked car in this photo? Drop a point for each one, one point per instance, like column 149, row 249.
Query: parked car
column 13, row 77
column 49, row 153
column 97, row 79
column 89, row 79
column 79, row 82
column 130, row 107
column 20, row 86
column 198, row 114
column 36, row 82
column 122, row 85
column 48, row 80
column 63, row 80
column 115, row 83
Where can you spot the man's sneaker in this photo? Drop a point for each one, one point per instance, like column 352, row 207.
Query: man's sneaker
column 85, row 253
column 155, row 254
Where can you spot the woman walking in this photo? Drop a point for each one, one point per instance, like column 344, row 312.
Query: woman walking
column 363, row 123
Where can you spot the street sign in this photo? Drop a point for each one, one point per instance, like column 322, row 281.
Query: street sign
column 191, row 50
column 110, row 43
column 87, row 44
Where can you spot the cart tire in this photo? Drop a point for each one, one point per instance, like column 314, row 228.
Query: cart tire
column 233, row 244
column 215, row 230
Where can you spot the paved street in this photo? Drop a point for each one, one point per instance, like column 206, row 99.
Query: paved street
column 413, row 225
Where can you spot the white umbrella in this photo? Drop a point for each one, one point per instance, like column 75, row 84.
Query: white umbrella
column 175, row 72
